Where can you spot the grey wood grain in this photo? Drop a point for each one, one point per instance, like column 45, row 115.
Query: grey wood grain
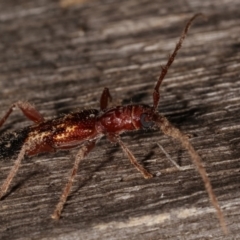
column 60, row 59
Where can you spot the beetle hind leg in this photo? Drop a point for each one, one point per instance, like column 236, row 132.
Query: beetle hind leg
column 27, row 109
column 12, row 173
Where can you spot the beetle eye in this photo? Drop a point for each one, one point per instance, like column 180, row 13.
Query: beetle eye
column 145, row 124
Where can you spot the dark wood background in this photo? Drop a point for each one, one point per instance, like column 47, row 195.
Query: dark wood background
column 60, row 55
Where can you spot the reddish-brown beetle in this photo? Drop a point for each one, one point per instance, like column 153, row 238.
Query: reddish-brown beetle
column 85, row 128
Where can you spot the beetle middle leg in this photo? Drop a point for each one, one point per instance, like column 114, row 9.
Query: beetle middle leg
column 85, row 149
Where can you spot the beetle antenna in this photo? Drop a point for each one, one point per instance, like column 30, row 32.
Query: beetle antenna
column 156, row 94
column 169, row 130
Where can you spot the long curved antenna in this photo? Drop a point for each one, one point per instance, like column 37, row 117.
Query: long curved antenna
column 170, row 130
column 156, row 94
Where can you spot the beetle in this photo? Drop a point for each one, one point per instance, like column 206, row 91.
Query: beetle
column 85, row 128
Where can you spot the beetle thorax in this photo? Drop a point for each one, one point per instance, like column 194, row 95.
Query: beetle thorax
column 123, row 118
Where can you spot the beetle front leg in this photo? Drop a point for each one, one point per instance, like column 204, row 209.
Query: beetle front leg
column 133, row 160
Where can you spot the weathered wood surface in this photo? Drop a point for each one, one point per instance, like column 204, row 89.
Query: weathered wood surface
column 61, row 56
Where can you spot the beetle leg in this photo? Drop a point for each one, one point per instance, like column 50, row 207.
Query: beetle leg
column 13, row 171
column 80, row 155
column 133, row 160
column 105, row 97
column 27, row 109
